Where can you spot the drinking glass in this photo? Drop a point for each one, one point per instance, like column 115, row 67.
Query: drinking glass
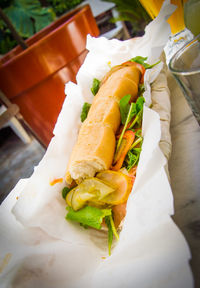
column 185, row 66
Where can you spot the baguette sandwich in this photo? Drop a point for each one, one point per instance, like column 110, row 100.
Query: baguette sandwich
column 95, row 147
column 103, row 164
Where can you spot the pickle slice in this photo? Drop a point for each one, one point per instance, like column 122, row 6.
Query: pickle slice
column 91, row 190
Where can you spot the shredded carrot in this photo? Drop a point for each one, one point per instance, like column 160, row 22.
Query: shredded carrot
column 59, row 180
column 128, row 138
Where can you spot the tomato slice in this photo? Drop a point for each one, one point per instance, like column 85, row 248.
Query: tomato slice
column 131, row 173
column 122, row 184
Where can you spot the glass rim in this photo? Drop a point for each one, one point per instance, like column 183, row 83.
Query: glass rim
column 178, row 54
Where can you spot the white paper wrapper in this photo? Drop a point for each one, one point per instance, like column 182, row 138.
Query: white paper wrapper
column 42, row 249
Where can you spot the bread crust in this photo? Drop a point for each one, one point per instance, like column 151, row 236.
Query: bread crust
column 93, row 151
column 105, row 112
column 95, row 146
column 120, row 83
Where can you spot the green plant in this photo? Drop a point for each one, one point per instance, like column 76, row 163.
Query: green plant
column 62, row 6
column 131, row 11
column 27, row 16
column 6, row 42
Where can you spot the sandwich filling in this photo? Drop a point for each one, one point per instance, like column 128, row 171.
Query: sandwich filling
column 103, row 164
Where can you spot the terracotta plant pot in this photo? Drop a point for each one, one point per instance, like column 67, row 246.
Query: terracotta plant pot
column 34, row 78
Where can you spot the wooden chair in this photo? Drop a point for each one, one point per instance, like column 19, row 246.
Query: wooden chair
column 9, row 116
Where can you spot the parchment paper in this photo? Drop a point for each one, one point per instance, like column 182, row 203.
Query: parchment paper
column 39, row 248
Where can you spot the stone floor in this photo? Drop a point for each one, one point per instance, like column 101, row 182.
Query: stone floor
column 17, row 160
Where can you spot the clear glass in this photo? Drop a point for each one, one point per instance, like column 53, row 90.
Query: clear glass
column 185, row 66
column 176, row 42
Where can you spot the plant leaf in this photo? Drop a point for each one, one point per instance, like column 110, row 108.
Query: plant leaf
column 20, row 20
column 139, row 117
column 132, row 158
column 128, row 119
column 95, row 86
column 139, row 103
column 90, row 216
column 124, row 107
column 85, row 110
column 29, row 17
column 139, row 109
column 142, row 60
column 127, row 7
column 62, row 6
column 43, row 20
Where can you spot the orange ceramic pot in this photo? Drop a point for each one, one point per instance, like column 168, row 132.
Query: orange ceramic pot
column 35, row 78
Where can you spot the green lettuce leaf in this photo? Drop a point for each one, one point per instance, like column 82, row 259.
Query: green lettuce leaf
column 139, row 110
column 131, row 113
column 139, row 103
column 131, row 160
column 132, row 157
column 142, row 60
column 124, row 107
column 95, row 86
column 138, row 133
column 90, row 216
column 85, row 110
column 139, row 117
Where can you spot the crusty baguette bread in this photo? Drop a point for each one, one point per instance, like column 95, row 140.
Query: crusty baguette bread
column 95, row 146
column 105, row 112
column 93, row 151
column 120, row 83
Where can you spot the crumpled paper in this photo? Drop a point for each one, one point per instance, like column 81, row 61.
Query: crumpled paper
column 160, row 96
column 40, row 248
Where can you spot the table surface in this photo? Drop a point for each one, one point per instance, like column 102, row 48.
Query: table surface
column 184, row 170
